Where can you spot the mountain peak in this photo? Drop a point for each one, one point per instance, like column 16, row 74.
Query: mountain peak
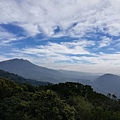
column 108, row 83
column 109, row 75
column 17, row 59
column 107, row 79
column 29, row 70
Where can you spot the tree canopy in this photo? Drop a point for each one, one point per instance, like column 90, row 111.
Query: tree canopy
column 64, row 101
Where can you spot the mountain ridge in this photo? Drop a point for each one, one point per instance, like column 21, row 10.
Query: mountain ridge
column 21, row 80
column 109, row 83
column 106, row 83
column 29, row 70
column 26, row 69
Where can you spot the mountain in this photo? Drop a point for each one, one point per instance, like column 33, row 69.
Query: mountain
column 63, row 101
column 19, row 79
column 29, row 70
column 108, row 83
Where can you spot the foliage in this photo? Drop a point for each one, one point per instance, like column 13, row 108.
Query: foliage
column 64, row 101
column 24, row 102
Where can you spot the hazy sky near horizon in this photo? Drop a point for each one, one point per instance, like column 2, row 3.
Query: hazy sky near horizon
column 80, row 35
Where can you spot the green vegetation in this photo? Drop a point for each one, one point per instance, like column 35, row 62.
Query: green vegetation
column 64, row 101
column 20, row 79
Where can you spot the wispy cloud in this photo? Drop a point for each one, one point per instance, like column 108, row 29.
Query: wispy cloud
column 53, row 59
column 44, row 16
column 105, row 42
column 70, row 51
column 76, row 47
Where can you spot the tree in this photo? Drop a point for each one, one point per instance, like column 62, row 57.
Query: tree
column 109, row 95
column 114, row 97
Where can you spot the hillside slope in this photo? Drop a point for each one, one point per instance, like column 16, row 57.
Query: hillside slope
column 109, row 83
column 64, row 101
column 20, row 79
column 29, row 70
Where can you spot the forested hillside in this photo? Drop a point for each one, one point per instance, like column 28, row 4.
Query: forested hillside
column 64, row 101
column 20, row 79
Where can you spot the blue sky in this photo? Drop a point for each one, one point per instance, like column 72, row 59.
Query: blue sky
column 71, row 34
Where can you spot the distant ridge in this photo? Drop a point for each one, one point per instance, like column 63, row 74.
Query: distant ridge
column 20, row 80
column 109, row 83
column 29, row 70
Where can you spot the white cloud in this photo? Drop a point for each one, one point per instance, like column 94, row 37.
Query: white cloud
column 104, row 63
column 83, row 43
column 76, row 47
column 52, row 56
column 4, row 34
column 43, row 16
column 7, row 37
column 105, row 42
column 70, row 51
column 54, row 52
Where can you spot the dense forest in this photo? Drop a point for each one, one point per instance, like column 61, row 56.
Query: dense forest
column 63, row 101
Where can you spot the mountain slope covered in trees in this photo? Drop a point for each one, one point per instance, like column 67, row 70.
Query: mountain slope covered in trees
column 20, row 79
column 63, row 101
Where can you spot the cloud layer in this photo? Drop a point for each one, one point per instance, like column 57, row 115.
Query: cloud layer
column 70, row 34
column 73, row 17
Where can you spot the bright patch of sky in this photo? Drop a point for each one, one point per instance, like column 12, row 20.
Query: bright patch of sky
column 80, row 35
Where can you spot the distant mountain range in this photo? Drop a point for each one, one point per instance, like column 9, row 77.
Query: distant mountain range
column 79, row 75
column 29, row 70
column 107, row 83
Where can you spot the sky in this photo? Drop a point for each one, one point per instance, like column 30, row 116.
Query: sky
column 79, row 35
